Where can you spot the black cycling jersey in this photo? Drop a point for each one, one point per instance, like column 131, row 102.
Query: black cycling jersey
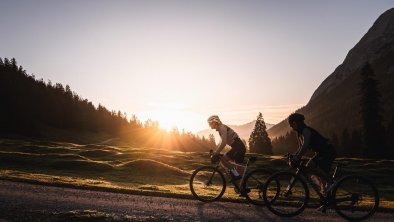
column 315, row 142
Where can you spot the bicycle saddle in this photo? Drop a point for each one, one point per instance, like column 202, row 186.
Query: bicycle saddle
column 252, row 159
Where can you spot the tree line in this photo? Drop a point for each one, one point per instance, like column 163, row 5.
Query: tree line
column 372, row 139
column 31, row 107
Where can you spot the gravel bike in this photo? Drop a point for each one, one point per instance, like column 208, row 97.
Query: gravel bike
column 208, row 183
column 353, row 197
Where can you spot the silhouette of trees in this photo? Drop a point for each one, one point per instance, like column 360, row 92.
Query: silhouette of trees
column 356, row 142
column 390, row 138
column 259, row 142
column 370, row 102
column 335, row 141
column 211, row 140
column 31, row 107
column 286, row 143
column 345, row 142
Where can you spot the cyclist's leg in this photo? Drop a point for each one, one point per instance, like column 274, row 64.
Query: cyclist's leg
column 317, row 175
column 225, row 162
column 228, row 163
column 237, row 154
column 319, row 168
column 235, row 157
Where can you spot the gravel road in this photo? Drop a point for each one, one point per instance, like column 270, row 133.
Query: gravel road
column 27, row 202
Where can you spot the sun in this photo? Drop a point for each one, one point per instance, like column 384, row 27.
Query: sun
column 175, row 116
column 168, row 118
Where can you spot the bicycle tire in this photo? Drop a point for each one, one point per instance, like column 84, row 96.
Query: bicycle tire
column 360, row 182
column 197, row 185
column 275, row 206
column 253, row 182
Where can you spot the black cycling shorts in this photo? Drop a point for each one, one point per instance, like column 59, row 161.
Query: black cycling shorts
column 237, row 152
column 324, row 161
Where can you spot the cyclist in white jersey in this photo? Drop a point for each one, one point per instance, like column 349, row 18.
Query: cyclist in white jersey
column 232, row 159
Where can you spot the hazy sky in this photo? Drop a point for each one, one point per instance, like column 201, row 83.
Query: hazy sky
column 181, row 61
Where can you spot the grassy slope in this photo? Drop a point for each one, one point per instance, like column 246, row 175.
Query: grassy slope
column 141, row 170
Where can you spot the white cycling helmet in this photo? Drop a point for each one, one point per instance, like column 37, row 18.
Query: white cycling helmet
column 214, row 118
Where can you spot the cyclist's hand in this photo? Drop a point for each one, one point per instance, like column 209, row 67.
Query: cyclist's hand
column 215, row 157
column 293, row 161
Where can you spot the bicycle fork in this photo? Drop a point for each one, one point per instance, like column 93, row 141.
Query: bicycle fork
column 209, row 182
column 290, row 185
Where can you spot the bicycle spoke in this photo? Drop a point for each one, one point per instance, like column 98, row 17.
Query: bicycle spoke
column 253, row 184
column 355, row 198
column 286, row 194
column 207, row 184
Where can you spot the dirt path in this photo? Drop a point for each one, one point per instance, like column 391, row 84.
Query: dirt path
column 25, row 200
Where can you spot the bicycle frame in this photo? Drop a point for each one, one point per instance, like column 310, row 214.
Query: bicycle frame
column 221, row 168
column 325, row 200
column 301, row 172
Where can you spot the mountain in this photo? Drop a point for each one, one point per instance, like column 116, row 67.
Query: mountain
column 335, row 104
column 243, row 130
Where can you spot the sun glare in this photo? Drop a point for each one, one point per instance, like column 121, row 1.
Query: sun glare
column 174, row 116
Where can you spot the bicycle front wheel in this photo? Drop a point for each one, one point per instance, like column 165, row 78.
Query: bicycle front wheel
column 207, row 184
column 355, row 198
column 286, row 194
column 254, row 183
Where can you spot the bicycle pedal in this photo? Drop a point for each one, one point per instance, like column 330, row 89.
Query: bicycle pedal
column 246, row 190
column 322, row 208
column 234, row 178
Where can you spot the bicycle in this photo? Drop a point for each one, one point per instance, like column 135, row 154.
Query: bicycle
column 208, row 183
column 353, row 197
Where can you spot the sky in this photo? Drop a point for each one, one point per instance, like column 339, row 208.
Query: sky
column 179, row 62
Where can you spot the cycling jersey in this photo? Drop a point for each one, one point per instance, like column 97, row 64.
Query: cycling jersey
column 229, row 137
column 309, row 138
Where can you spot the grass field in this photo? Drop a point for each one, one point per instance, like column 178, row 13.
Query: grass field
column 143, row 170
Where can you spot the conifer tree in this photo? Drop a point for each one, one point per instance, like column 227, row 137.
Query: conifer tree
column 373, row 130
column 335, row 140
column 14, row 64
column 390, row 137
column 259, row 142
column 6, row 62
column 345, row 141
column 356, row 143
column 211, row 141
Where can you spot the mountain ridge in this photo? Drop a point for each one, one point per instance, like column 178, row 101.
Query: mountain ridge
column 334, row 106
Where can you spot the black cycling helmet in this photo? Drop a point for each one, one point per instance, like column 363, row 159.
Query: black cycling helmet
column 296, row 117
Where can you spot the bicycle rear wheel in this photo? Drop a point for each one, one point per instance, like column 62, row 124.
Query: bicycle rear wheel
column 355, row 198
column 254, row 181
column 286, row 194
column 207, row 184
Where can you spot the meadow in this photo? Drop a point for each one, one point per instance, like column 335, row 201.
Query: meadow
column 145, row 171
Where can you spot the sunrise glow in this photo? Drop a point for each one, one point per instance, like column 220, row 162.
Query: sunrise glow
column 174, row 116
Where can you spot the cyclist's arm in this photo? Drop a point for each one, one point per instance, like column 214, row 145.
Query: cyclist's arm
column 306, row 133
column 223, row 135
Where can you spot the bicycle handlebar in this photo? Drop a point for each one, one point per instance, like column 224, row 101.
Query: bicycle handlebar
column 289, row 158
column 214, row 158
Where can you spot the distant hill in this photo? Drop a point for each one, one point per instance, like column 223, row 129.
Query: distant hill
column 335, row 104
column 243, row 130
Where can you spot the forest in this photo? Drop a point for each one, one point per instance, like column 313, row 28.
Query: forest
column 31, row 107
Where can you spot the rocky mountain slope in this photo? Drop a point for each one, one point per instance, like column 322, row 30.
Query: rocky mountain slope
column 335, row 105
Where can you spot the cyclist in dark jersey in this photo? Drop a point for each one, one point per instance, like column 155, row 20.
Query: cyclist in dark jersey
column 310, row 139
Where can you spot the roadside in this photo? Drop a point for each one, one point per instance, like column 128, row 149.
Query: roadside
column 155, row 193
column 27, row 202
